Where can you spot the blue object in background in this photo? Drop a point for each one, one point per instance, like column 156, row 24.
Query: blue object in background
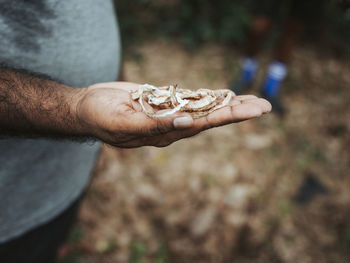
column 249, row 67
column 276, row 73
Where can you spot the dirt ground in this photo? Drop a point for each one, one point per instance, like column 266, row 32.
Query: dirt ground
column 265, row 190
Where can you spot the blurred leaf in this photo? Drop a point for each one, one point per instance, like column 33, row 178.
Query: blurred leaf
column 285, row 208
column 106, row 246
column 137, row 252
column 75, row 235
column 198, row 21
column 162, row 253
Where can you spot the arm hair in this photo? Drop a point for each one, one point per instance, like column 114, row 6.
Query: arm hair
column 32, row 105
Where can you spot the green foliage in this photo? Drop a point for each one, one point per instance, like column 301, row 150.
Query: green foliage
column 191, row 21
column 340, row 27
column 106, row 245
column 194, row 22
column 75, row 235
column 137, row 252
column 162, row 254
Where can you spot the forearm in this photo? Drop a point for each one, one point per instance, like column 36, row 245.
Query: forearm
column 33, row 107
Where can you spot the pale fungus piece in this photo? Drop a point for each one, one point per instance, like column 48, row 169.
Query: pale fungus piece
column 198, row 103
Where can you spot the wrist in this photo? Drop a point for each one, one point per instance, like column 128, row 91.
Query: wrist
column 75, row 98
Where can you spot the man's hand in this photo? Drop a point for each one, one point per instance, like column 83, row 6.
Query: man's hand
column 32, row 106
column 106, row 111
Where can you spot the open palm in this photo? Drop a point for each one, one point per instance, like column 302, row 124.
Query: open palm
column 109, row 113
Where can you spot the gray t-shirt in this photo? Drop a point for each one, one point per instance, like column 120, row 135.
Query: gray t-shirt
column 76, row 42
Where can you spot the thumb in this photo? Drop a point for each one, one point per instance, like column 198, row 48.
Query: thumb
column 162, row 125
column 154, row 126
column 183, row 122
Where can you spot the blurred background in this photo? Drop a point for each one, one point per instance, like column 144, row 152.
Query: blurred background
column 273, row 189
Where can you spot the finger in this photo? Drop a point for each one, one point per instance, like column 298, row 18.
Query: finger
column 162, row 131
column 231, row 114
column 153, row 126
column 220, row 117
column 264, row 104
column 161, row 136
column 223, row 116
column 244, row 97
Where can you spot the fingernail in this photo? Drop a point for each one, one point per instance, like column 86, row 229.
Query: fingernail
column 183, row 122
